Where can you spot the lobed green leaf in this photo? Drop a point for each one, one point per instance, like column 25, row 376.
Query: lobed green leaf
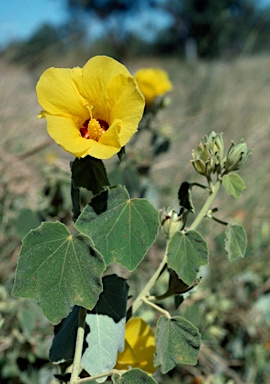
column 122, row 229
column 177, row 342
column 186, row 253
column 58, row 270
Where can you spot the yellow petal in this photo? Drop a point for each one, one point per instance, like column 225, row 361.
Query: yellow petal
column 65, row 132
column 153, row 82
column 102, row 90
column 126, row 358
column 58, row 94
column 139, row 347
column 97, row 74
column 126, row 103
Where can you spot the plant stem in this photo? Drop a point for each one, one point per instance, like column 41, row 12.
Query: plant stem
column 218, row 220
column 206, row 206
column 138, row 301
column 200, row 185
column 92, row 378
column 156, row 307
column 79, row 347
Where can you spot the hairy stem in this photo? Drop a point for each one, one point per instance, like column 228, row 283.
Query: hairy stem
column 206, row 206
column 138, row 301
column 156, row 307
column 79, row 347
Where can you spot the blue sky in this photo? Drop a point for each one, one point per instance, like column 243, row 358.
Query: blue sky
column 20, row 18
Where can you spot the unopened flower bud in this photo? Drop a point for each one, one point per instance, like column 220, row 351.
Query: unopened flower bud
column 237, row 156
column 201, row 159
column 207, row 158
column 171, row 223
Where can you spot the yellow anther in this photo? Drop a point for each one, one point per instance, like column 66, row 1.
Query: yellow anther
column 94, row 130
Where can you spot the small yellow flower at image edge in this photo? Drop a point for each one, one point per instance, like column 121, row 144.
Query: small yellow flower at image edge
column 94, row 110
column 153, row 82
column 139, row 347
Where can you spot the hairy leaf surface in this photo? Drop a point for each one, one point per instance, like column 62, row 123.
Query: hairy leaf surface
column 186, row 253
column 122, row 229
column 177, row 341
column 58, row 270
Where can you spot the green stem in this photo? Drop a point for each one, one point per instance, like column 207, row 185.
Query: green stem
column 200, row 186
column 218, row 220
column 138, row 301
column 79, row 347
column 156, row 307
column 206, row 206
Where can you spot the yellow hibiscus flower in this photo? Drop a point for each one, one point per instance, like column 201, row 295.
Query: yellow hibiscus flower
column 153, row 82
column 93, row 110
column 139, row 347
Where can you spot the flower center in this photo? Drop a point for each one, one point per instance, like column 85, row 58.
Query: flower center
column 94, row 128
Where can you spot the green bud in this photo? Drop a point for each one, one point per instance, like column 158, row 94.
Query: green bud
column 171, row 223
column 208, row 157
column 237, row 156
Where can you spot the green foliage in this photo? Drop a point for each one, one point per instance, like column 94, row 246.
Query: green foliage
column 122, row 229
column 235, row 241
column 178, row 342
column 186, row 253
column 63, row 346
column 185, row 197
column 54, row 269
column 89, row 173
column 233, row 184
column 109, row 315
column 133, row 376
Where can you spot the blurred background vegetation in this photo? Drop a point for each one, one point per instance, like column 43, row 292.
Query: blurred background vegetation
column 217, row 54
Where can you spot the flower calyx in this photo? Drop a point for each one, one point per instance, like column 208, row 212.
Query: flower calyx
column 208, row 157
column 172, row 222
column 237, row 156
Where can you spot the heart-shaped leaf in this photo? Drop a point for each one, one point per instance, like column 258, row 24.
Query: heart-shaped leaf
column 177, row 341
column 122, row 229
column 58, row 270
column 186, row 253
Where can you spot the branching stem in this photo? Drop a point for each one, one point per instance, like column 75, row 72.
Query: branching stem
column 92, row 378
column 207, row 204
column 138, row 301
column 156, row 307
